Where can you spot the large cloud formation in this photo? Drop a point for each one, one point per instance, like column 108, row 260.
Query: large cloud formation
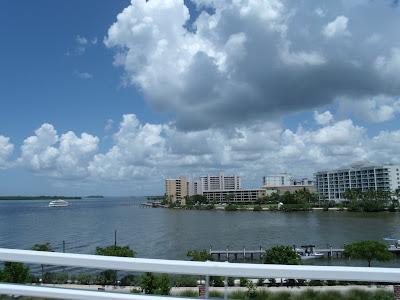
column 256, row 59
column 64, row 157
column 147, row 153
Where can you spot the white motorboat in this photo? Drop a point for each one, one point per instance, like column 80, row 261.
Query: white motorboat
column 307, row 252
column 395, row 247
column 314, row 255
column 59, row 203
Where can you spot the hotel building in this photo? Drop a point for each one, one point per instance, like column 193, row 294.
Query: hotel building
column 234, row 196
column 283, row 179
column 285, row 182
column 220, row 183
column 176, row 189
column 331, row 185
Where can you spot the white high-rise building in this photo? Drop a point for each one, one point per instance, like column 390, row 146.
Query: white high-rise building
column 331, row 185
column 220, row 183
column 283, row 179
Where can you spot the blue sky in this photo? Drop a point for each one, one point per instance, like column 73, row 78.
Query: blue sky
column 163, row 92
column 38, row 78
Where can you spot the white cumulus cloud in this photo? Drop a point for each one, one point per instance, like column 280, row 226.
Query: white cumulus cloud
column 375, row 110
column 64, row 156
column 323, row 118
column 246, row 61
column 338, row 27
column 146, row 153
column 6, row 149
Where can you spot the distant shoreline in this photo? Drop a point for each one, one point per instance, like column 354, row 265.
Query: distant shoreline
column 39, row 198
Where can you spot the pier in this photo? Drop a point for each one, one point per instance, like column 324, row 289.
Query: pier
column 257, row 254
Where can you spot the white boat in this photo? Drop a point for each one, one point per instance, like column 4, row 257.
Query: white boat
column 394, row 248
column 314, row 255
column 307, row 252
column 59, row 203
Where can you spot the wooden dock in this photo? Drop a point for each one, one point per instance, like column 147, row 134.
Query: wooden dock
column 257, row 254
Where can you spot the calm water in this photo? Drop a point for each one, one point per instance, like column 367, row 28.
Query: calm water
column 164, row 233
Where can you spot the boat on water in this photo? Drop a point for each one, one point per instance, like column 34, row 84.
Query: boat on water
column 307, row 252
column 59, row 203
column 394, row 247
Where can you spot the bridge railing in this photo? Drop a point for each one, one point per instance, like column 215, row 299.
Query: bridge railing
column 207, row 269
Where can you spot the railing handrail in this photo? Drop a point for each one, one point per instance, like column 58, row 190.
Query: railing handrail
column 62, row 293
column 203, row 268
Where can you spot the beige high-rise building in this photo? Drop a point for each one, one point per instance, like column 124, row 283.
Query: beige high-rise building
column 176, row 189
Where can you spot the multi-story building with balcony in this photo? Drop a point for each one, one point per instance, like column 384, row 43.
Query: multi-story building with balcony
column 275, row 180
column 220, row 183
column 332, row 185
column 285, row 182
column 176, row 189
column 234, row 196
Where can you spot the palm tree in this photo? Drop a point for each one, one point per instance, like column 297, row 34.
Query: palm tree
column 42, row 247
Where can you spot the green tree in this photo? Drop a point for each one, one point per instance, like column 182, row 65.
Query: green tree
column 152, row 284
column 228, row 198
column 352, row 195
column 163, row 284
column 231, row 207
column 274, row 198
column 15, row 272
column 281, row 255
column 84, row 278
column 107, row 277
column 368, row 250
column 198, row 199
column 199, row 255
column 120, row 251
column 148, row 283
column 45, row 248
column 288, row 198
column 114, row 250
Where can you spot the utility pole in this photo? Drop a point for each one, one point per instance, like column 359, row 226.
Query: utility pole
column 115, row 238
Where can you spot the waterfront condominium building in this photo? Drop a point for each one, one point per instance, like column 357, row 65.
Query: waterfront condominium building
column 220, row 183
column 234, row 196
column 285, row 182
column 331, row 185
column 283, row 179
column 176, row 189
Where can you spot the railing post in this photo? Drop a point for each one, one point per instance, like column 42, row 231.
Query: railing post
column 207, row 286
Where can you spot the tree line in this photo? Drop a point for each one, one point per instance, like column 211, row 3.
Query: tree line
column 301, row 200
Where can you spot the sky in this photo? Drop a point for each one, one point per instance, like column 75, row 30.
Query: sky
column 111, row 97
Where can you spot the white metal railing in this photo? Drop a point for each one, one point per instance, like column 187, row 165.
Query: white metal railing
column 178, row 267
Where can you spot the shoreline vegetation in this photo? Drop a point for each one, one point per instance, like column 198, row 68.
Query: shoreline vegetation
column 39, row 197
column 303, row 200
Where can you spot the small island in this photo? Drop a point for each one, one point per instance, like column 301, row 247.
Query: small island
column 94, row 197
column 39, row 197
